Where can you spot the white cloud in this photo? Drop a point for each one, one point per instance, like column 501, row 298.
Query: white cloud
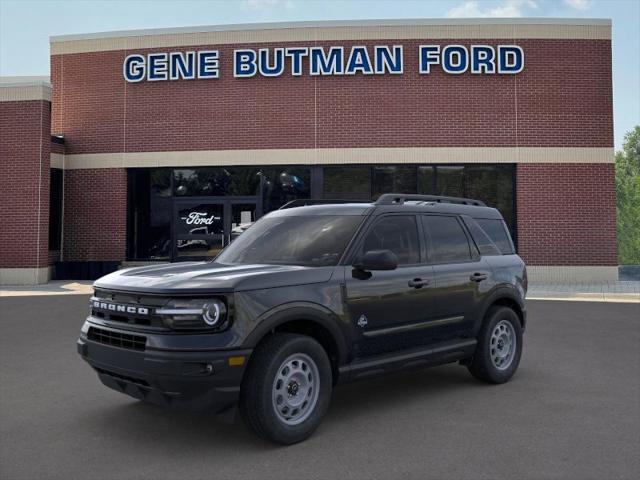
column 578, row 4
column 507, row 8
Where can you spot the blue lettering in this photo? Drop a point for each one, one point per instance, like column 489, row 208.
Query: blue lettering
column 271, row 62
column 277, row 68
column 359, row 61
column 133, row 68
column 429, row 55
column 244, row 62
column 182, row 65
column 455, row 59
column 296, row 55
column 385, row 61
column 483, row 59
column 510, row 59
column 331, row 64
column 157, row 67
column 208, row 64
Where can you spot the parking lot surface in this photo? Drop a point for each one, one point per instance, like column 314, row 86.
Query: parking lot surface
column 571, row 411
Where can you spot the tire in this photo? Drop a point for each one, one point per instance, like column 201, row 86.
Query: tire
column 286, row 390
column 492, row 362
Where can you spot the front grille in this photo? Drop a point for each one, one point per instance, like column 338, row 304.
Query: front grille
column 117, row 339
column 155, row 321
column 104, row 304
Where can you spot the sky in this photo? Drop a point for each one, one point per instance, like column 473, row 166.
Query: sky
column 25, row 26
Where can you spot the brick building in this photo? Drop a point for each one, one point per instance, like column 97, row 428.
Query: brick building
column 154, row 145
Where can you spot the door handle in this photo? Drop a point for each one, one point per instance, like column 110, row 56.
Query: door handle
column 478, row 277
column 418, row 283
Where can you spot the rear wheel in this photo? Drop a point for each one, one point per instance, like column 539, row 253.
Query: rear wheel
column 287, row 388
column 499, row 346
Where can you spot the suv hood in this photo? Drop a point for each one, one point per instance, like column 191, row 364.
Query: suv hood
column 206, row 277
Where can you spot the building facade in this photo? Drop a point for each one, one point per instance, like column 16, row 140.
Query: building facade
column 154, row 145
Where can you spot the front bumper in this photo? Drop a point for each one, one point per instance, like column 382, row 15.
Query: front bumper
column 195, row 380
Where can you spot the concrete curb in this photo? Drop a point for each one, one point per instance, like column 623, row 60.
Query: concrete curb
column 588, row 297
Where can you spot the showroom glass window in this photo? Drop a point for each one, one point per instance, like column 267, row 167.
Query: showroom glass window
column 149, row 214
column 283, row 184
column 393, row 179
column 218, row 181
column 347, row 182
column 152, row 193
column 491, row 183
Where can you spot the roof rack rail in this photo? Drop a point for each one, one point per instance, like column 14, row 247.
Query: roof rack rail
column 400, row 198
column 302, row 202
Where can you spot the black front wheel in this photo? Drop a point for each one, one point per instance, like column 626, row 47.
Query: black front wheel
column 499, row 346
column 287, row 388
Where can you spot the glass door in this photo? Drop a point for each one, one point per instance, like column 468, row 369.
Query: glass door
column 203, row 227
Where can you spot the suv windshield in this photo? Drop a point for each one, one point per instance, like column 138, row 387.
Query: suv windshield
column 317, row 240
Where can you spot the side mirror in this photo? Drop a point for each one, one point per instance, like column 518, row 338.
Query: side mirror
column 377, row 260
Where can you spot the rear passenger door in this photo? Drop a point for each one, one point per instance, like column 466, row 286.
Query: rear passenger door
column 460, row 274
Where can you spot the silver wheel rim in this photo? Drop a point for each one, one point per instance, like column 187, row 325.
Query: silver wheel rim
column 503, row 345
column 295, row 389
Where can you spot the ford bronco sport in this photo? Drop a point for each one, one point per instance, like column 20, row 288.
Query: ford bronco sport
column 309, row 297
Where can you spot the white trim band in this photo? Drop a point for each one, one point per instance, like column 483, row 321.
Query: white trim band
column 338, row 156
column 433, row 29
column 57, row 160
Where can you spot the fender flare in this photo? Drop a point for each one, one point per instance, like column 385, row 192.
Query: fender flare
column 308, row 311
column 499, row 293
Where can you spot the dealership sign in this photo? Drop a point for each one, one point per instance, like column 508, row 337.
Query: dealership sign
column 325, row 61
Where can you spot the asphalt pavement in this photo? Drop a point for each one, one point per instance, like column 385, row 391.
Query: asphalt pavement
column 571, row 411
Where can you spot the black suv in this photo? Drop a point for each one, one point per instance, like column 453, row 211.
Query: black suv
column 309, row 297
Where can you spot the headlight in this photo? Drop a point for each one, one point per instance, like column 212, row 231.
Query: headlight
column 194, row 314
column 213, row 312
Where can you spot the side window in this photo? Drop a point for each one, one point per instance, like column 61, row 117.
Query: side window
column 484, row 243
column 497, row 231
column 398, row 233
column 447, row 240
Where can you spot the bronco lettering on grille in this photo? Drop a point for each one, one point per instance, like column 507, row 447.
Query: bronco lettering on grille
column 113, row 307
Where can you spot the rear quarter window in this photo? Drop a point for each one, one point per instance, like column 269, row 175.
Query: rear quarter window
column 485, row 245
column 498, row 233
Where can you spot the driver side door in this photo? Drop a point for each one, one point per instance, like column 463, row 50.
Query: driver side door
column 388, row 306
